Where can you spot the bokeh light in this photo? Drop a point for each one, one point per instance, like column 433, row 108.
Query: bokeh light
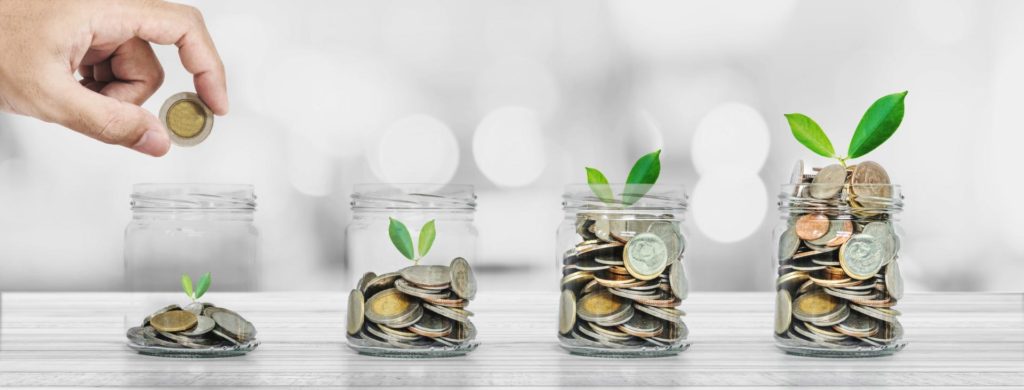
column 508, row 146
column 415, row 149
column 729, row 207
column 732, row 138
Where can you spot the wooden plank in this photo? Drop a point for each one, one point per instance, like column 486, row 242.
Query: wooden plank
column 66, row 339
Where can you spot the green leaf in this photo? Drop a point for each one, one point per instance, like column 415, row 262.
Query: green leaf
column 186, row 284
column 401, row 238
column 599, row 184
column 642, row 177
column 427, row 234
column 877, row 125
column 810, row 135
column 204, row 284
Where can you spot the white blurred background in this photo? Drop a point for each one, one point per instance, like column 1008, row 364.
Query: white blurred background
column 516, row 97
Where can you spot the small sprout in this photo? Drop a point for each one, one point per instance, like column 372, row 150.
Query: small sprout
column 402, row 240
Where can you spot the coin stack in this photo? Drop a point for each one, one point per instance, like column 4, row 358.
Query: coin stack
column 838, row 273
column 196, row 327
column 421, row 307
column 622, row 284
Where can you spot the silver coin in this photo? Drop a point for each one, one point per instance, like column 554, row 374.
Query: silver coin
column 365, row 280
column 380, row 283
column 195, row 308
column 427, row 275
column 567, row 312
column 783, row 311
column 828, row 182
column 433, row 323
column 884, row 233
column 461, row 332
column 894, row 281
column 463, row 281
column 356, row 311
column 645, row 256
column 862, row 256
column 668, row 232
column 789, row 242
column 203, row 326
column 677, row 280
column 234, row 326
column 460, row 315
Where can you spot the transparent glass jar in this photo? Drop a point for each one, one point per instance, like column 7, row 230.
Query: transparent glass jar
column 411, row 308
column 193, row 229
column 622, row 274
column 838, row 278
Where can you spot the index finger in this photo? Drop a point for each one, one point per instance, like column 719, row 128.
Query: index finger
column 166, row 23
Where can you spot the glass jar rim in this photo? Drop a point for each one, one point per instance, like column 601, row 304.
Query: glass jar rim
column 423, row 196
column 656, row 197
column 878, row 198
column 193, row 196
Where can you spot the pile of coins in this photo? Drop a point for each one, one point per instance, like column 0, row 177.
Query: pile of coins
column 838, row 274
column 419, row 307
column 197, row 326
column 623, row 283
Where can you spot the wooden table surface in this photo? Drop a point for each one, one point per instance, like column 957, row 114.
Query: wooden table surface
column 76, row 339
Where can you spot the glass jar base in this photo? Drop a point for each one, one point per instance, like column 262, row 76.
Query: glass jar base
column 381, row 349
column 591, row 349
column 809, row 349
column 188, row 353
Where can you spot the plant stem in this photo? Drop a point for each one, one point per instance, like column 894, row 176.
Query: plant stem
column 842, row 161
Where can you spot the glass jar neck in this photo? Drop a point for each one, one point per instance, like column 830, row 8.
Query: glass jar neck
column 450, row 200
column 871, row 199
column 193, row 201
column 625, row 199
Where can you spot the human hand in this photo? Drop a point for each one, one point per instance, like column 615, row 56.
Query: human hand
column 107, row 42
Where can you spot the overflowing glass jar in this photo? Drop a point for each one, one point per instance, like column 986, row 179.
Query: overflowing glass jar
column 837, row 260
column 417, row 310
column 622, row 274
column 177, row 229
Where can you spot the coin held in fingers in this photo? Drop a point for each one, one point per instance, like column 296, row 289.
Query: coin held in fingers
column 188, row 120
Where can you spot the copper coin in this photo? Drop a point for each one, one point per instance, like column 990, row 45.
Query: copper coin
column 812, row 226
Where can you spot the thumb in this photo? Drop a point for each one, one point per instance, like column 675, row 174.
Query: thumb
column 109, row 120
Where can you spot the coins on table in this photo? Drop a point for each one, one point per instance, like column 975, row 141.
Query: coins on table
column 838, row 274
column 418, row 307
column 175, row 327
column 622, row 283
column 188, row 120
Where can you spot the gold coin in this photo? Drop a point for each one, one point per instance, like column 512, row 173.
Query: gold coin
column 812, row 226
column 599, row 304
column 187, row 118
column 173, row 321
column 815, row 304
column 388, row 305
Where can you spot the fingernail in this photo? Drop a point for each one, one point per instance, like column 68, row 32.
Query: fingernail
column 154, row 142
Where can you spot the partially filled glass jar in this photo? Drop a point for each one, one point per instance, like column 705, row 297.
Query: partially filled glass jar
column 417, row 305
column 622, row 275
column 186, row 242
column 837, row 251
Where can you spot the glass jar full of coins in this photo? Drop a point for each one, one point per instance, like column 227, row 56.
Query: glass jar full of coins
column 409, row 252
column 621, row 268
column 837, row 256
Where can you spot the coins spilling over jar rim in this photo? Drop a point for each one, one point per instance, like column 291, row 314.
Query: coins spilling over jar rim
column 188, row 120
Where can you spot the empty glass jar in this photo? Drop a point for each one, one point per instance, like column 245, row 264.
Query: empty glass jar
column 837, row 251
column 409, row 252
column 622, row 275
column 204, row 231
